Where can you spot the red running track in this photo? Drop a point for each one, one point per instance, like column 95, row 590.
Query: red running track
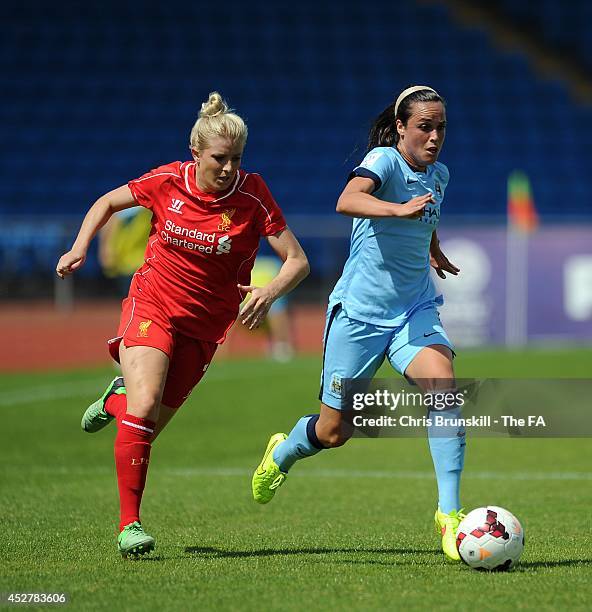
column 38, row 337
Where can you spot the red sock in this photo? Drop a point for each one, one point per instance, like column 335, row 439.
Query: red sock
column 132, row 455
column 116, row 405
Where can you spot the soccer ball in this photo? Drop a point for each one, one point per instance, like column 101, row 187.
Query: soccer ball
column 490, row 538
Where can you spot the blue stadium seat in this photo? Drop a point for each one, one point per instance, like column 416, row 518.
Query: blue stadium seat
column 100, row 94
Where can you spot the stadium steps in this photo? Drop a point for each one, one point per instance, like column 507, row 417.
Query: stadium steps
column 545, row 59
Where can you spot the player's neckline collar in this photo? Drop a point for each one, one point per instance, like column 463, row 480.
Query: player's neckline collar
column 204, row 196
column 414, row 175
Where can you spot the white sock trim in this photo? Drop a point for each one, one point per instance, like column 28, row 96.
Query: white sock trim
column 124, row 422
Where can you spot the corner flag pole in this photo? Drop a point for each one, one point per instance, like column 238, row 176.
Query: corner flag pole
column 522, row 220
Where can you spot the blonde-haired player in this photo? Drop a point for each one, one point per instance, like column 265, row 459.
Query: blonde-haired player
column 207, row 219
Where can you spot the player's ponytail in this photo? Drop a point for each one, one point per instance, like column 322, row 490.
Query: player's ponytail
column 383, row 132
column 216, row 119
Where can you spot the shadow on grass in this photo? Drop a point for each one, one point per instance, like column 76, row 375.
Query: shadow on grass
column 534, row 565
column 142, row 558
column 216, row 553
column 210, row 552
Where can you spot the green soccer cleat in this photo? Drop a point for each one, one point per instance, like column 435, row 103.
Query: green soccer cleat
column 95, row 416
column 134, row 541
column 268, row 477
column 446, row 527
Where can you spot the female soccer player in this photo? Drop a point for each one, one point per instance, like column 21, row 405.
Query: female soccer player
column 208, row 217
column 384, row 304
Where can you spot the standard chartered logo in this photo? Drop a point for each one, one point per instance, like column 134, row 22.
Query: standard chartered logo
column 224, row 245
column 178, row 236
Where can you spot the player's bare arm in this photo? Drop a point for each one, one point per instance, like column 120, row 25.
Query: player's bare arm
column 357, row 200
column 294, row 269
column 99, row 213
column 439, row 261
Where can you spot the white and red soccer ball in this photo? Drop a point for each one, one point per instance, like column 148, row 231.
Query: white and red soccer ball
column 490, row 538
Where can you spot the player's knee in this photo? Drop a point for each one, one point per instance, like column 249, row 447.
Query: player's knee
column 144, row 403
column 439, row 376
column 334, row 437
column 438, row 381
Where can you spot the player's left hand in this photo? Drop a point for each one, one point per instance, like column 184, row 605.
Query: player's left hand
column 440, row 263
column 253, row 313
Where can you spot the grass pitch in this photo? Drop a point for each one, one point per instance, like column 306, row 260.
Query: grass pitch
column 351, row 528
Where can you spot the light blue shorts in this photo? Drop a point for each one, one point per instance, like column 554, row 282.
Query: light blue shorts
column 354, row 349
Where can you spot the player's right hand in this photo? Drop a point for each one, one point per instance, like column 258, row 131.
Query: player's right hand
column 253, row 313
column 70, row 262
column 413, row 209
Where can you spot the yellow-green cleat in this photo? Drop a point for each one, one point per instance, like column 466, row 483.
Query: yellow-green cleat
column 133, row 541
column 446, row 527
column 268, row 477
column 95, row 416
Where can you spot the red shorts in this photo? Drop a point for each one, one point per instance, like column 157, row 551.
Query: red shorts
column 143, row 324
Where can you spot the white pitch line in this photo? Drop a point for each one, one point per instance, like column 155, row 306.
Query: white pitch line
column 49, row 392
column 96, row 386
column 384, row 474
column 190, row 472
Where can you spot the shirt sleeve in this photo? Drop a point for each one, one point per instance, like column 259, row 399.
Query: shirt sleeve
column 146, row 188
column 269, row 217
column 378, row 165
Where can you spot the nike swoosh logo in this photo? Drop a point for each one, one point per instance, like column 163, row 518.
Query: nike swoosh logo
column 430, row 334
column 264, row 458
column 411, row 180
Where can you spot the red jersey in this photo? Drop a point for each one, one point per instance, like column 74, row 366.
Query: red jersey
column 201, row 245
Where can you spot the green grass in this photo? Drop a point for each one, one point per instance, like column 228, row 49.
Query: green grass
column 351, row 529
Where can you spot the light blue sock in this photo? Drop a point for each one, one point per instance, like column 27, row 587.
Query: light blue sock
column 447, row 446
column 301, row 442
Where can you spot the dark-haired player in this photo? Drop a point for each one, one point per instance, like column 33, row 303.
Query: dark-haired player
column 385, row 304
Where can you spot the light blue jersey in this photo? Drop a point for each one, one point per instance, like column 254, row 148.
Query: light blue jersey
column 387, row 275
column 384, row 306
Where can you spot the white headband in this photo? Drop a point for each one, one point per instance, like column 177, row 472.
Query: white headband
column 409, row 91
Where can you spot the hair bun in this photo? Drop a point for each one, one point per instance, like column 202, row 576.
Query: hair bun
column 216, row 119
column 214, row 106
